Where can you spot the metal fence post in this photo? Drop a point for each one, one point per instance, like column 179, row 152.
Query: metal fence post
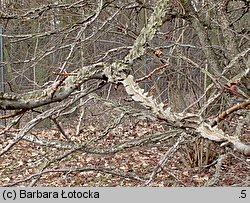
column 2, row 70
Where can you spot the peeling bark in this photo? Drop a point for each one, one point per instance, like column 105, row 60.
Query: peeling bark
column 118, row 72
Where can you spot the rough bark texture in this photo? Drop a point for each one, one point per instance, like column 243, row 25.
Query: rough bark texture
column 118, row 72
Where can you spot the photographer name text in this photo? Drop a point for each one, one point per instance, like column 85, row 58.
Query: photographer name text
column 36, row 194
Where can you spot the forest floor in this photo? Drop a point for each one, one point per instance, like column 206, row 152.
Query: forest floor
column 29, row 164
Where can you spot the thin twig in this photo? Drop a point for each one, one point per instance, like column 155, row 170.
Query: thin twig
column 152, row 72
column 165, row 159
column 214, row 180
column 59, row 127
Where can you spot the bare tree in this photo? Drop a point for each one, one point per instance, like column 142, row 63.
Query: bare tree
column 182, row 63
